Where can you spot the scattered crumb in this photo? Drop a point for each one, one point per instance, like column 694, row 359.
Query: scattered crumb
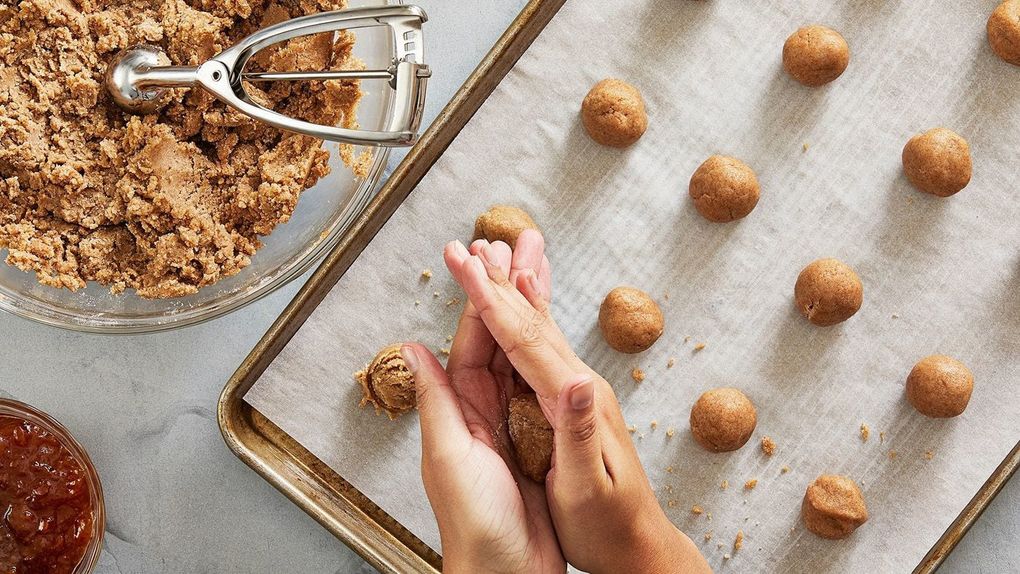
column 665, row 296
column 865, row 432
column 708, row 536
column 928, row 455
column 670, row 363
column 699, row 347
column 671, row 504
column 426, row 274
column 892, row 455
column 449, row 338
column 881, row 437
column 708, row 515
column 806, row 146
column 784, row 470
column 718, row 545
column 768, row 446
column 726, row 556
column 895, row 316
column 435, row 294
column 669, row 468
column 638, row 375
column 724, row 485
column 452, row 302
column 417, row 302
column 654, row 425
column 749, row 485
column 739, row 542
column 687, row 339
column 697, row 509
column 444, row 351
column 641, row 436
column 670, row 432
column 631, row 429
column 669, row 488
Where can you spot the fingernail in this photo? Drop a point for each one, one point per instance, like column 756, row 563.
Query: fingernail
column 410, row 357
column 487, row 255
column 460, row 249
column 582, row 395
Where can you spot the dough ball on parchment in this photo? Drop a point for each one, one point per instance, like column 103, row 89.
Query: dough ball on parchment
column 532, row 436
column 1004, row 31
column 503, row 223
column 833, row 507
column 613, row 113
column 815, row 55
column 723, row 419
column 828, row 292
column 937, row 162
column 939, row 386
column 387, row 383
column 724, row 189
column 630, row 320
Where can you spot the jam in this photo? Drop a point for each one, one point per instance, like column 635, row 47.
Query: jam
column 46, row 501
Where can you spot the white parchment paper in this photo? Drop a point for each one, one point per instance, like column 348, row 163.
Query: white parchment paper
column 940, row 275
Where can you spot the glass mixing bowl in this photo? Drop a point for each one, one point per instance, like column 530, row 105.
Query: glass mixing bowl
column 324, row 213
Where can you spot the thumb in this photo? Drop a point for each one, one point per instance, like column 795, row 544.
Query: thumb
column 439, row 413
column 577, row 457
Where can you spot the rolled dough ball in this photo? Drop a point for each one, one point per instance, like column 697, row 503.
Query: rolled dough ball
column 503, row 223
column 723, row 419
column 387, row 383
column 532, row 436
column 630, row 320
column 724, row 189
column 613, row 113
column 937, row 162
column 833, row 507
column 939, row 386
column 828, row 292
column 815, row 55
column 1004, row 31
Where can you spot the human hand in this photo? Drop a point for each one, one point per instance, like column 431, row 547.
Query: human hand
column 491, row 518
column 606, row 516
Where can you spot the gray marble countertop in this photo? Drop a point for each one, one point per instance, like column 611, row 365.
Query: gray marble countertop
column 177, row 500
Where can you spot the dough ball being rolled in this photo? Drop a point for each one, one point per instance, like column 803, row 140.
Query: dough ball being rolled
column 724, row 189
column 722, row 420
column 828, row 292
column 630, row 320
column 613, row 113
column 503, row 223
column 532, row 436
column 815, row 55
column 1004, row 31
column 833, row 507
column 938, row 162
column 939, row 386
column 387, row 383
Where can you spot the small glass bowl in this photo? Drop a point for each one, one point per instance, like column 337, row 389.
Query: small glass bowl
column 323, row 215
column 13, row 408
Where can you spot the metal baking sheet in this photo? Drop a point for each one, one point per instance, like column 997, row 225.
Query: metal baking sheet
column 776, row 92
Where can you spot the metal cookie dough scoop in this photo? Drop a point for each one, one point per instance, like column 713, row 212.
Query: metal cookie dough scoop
column 139, row 82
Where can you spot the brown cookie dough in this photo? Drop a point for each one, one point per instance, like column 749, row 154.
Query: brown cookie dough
column 503, row 223
column 630, row 320
column 833, row 507
column 937, row 162
column 1004, row 31
column 828, row 292
column 723, row 419
column 939, row 386
column 815, row 55
column 724, row 189
column 387, row 383
column 614, row 114
column 165, row 203
column 532, row 436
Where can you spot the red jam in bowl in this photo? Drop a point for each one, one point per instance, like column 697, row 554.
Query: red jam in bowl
column 46, row 499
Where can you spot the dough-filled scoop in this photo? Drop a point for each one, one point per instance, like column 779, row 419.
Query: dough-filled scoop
column 139, row 79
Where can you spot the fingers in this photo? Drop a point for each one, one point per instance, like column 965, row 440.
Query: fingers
column 518, row 328
column 529, row 250
column 529, row 285
column 439, row 413
column 473, row 346
column 577, row 454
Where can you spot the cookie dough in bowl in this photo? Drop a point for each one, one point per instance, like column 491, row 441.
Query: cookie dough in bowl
column 166, row 211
